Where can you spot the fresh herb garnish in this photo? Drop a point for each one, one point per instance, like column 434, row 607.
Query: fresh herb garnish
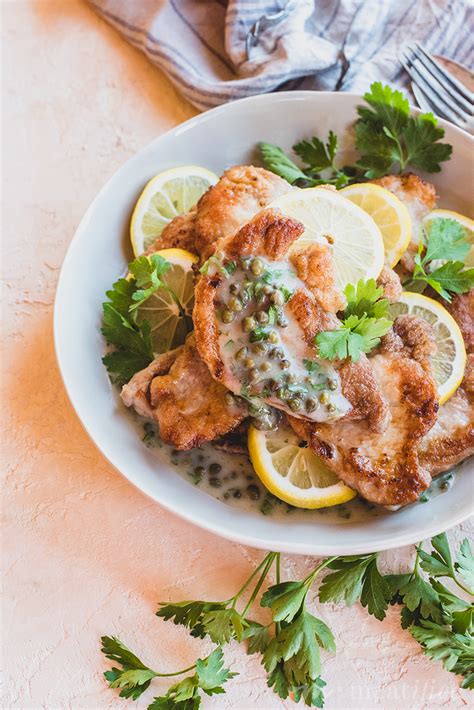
column 388, row 139
column 147, row 273
column 225, row 267
column 446, row 241
column 134, row 677
column 363, row 323
column 132, row 340
column 317, row 156
column 290, row 645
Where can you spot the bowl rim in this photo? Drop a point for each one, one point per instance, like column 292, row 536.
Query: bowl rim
column 190, row 513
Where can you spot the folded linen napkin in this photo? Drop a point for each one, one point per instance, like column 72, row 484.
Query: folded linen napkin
column 216, row 51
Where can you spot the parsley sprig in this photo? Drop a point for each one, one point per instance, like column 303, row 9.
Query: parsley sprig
column 445, row 241
column 364, row 322
column 130, row 337
column 387, row 138
column 319, row 160
column 134, row 677
column 290, row 644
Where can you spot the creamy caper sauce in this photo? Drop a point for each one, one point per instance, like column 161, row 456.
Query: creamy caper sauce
column 266, row 359
column 230, row 478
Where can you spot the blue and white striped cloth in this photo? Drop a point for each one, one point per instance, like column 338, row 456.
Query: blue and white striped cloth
column 316, row 44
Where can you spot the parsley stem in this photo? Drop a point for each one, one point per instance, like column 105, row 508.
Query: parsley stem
column 169, row 675
column 260, row 581
column 308, row 581
column 277, row 572
column 252, row 576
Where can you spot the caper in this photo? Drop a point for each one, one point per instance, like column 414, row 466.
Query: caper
column 285, row 364
column 254, row 374
column 228, row 316
column 244, row 297
column 245, row 263
column 237, row 493
column 253, row 492
column 277, row 298
column 273, row 385
column 278, row 353
column 282, row 321
column 235, row 304
column 259, row 348
column 331, row 407
column 332, row 384
column 273, row 336
column 246, row 284
column 294, row 404
column 310, row 405
column 241, row 354
column 234, row 288
column 324, row 397
column 256, row 267
column 261, row 316
column 215, row 482
column 229, row 399
column 267, row 289
column 215, row 468
column 249, row 362
column 265, row 366
column 199, row 470
column 281, row 393
column 249, row 324
column 291, row 379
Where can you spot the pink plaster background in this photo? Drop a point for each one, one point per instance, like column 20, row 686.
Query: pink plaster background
column 83, row 552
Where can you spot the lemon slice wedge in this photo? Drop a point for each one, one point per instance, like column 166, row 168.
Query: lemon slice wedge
column 169, row 322
column 449, row 360
column 167, row 195
column 389, row 214
column 294, row 473
column 355, row 240
column 465, row 222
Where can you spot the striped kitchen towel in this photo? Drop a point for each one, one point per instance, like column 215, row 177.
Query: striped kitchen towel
column 215, row 51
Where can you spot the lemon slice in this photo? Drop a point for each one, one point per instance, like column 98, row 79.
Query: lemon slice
column 354, row 238
column 465, row 222
column 166, row 196
column 292, row 473
column 169, row 322
column 449, row 360
column 389, row 214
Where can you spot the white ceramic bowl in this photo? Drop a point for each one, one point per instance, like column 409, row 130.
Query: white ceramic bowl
column 98, row 254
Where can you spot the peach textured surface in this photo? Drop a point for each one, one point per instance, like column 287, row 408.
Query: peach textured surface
column 84, row 553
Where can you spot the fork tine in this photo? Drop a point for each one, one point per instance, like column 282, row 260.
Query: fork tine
column 440, row 69
column 432, row 87
column 439, row 106
column 434, row 70
column 423, row 101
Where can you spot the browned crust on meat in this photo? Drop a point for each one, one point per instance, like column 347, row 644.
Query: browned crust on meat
column 391, row 284
column 413, row 186
column 268, row 234
column 383, row 467
column 462, row 310
column 189, row 404
column 206, row 328
column 179, row 234
column 315, row 267
column 452, row 438
column 242, row 191
column 310, row 317
column 413, row 337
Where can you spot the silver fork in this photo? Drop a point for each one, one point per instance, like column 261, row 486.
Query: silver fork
column 435, row 87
